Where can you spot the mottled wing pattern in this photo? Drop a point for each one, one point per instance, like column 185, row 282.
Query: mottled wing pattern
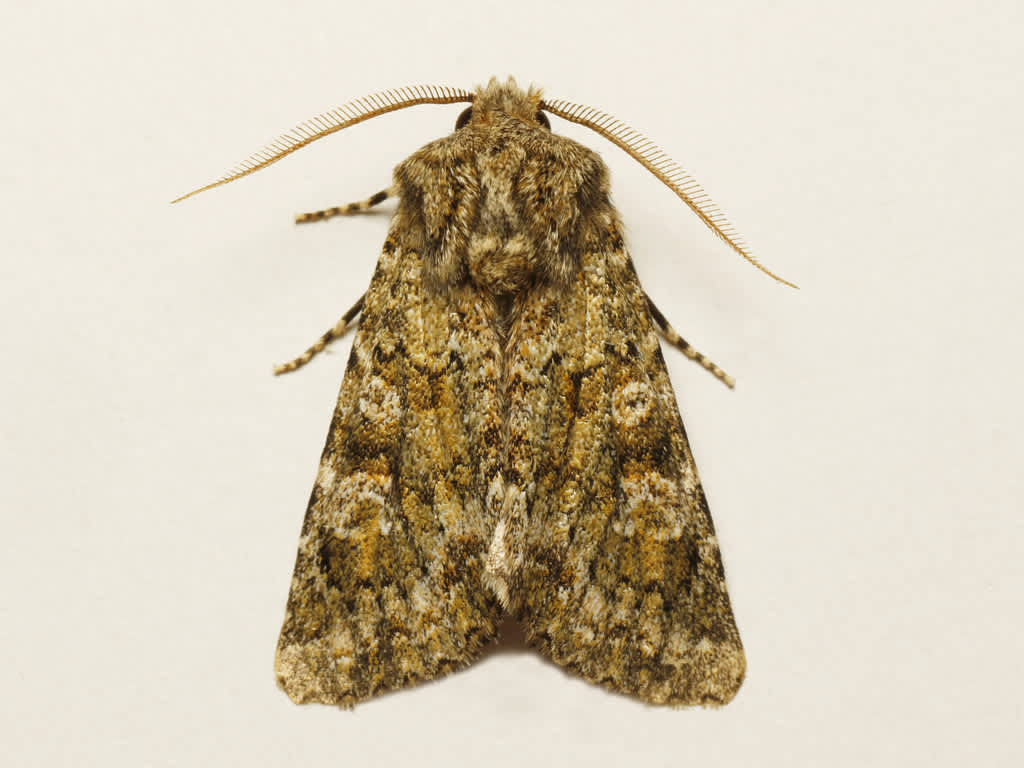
column 620, row 576
column 387, row 588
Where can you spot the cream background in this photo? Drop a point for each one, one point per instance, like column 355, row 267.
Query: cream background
column 864, row 476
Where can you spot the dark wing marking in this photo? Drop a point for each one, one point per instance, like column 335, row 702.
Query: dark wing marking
column 613, row 563
column 388, row 586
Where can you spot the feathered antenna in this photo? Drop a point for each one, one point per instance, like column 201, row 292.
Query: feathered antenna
column 336, row 119
column 647, row 153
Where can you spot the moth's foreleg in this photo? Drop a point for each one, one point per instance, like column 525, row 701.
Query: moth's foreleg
column 343, row 324
column 683, row 346
column 347, row 210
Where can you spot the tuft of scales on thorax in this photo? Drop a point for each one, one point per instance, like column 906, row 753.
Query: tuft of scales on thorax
column 503, row 202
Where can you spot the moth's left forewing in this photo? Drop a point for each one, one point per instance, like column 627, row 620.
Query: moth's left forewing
column 621, row 576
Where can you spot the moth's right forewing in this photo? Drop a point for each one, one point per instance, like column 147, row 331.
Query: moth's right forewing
column 388, row 587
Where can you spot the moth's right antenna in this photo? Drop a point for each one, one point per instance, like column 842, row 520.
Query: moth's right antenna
column 647, row 153
column 330, row 122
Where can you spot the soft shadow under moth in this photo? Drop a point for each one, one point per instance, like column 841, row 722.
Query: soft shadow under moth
column 506, row 438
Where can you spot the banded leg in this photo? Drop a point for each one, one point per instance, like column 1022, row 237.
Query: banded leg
column 347, row 210
column 336, row 332
column 683, row 346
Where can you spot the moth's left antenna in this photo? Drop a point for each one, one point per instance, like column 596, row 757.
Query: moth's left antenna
column 335, row 120
column 664, row 168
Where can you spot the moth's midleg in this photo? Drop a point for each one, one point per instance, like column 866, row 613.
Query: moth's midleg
column 343, row 324
column 347, row 210
column 677, row 341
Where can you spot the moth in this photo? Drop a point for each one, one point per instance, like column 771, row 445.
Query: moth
column 506, row 438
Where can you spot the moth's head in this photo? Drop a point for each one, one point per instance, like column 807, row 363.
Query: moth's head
column 504, row 98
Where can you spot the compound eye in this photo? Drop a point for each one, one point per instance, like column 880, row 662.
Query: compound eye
column 543, row 119
column 464, row 118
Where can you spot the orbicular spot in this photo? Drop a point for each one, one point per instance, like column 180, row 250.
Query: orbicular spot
column 380, row 403
column 631, row 403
